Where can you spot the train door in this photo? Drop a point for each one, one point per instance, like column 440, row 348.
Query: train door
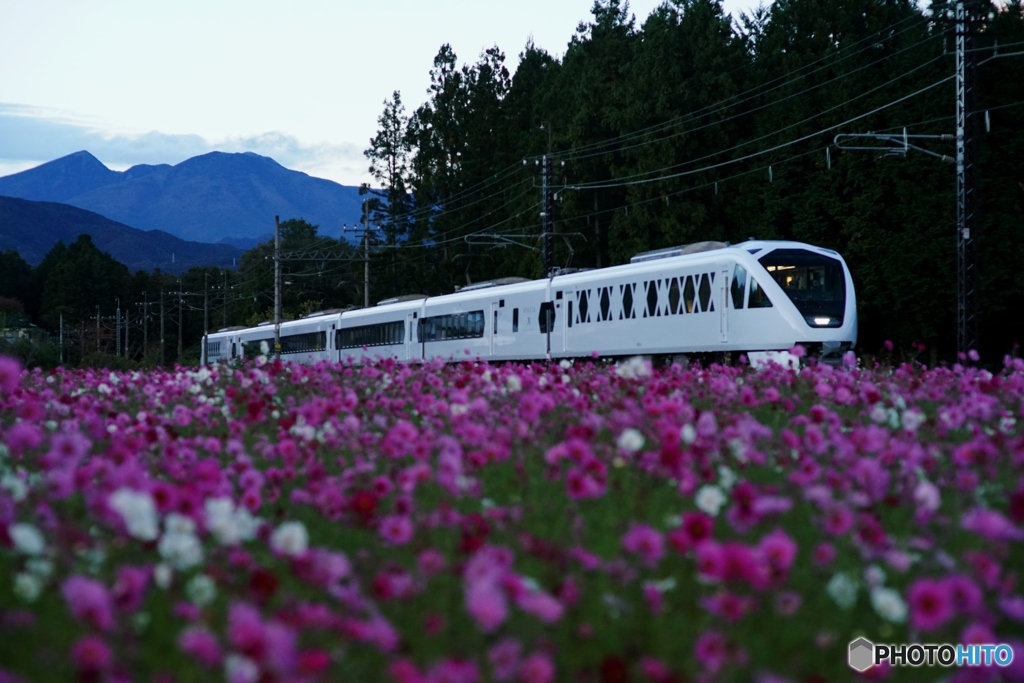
column 555, row 323
column 567, row 304
column 723, row 304
column 410, row 335
column 496, row 326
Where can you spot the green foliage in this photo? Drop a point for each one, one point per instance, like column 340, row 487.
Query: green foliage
column 698, row 125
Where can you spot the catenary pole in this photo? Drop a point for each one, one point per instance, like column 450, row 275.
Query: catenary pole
column 277, row 287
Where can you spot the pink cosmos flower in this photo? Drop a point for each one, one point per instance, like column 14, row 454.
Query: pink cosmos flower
column 545, row 607
column 487, row 605
column 10, row 374
column 404, row 671
column 655, row 670
column 430, row 562
column 931, row 604
column 91, row 657
column 779, row 550
column 654, row 598
column 710, row 560
column 396, row 529
column 991, row 525
column 966, row 596
column 711, row 650
column 537, row 668
column 838, row 520
column 198, row 642
column 129, row 588
column 89, row 602
column 454, row 671
column 504, row 658
column 646, row 542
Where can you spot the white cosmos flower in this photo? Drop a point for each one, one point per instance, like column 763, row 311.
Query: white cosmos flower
column 889, row 604
column 912, row 419
column 181, row 551
column 239, row 669
column 290, row 538
column 15, row 486
column 179, row 524
column 26, row 538
column 138, row 511
column 630, row 440
column 201, row 590
column 636, row 367
column 27, row 586
column 162, row 575
column 843, row 590
column 688, row 434
column 710, row 499
column 513, row 383
column 229, row 524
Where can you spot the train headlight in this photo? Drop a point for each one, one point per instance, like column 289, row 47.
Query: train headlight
column 823, row 321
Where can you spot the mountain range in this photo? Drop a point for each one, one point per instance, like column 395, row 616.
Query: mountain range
column 32, row 228
column 229, row 197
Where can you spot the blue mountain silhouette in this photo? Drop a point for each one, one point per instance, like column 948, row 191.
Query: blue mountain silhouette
column 208, row 198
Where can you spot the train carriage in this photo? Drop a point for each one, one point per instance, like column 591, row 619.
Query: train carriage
column 758, row 297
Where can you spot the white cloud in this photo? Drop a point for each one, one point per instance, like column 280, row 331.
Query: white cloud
column 30, row 136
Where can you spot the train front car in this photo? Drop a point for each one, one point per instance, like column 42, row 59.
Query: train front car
column 811, row 292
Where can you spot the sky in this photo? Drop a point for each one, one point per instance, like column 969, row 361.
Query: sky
column 303, row 82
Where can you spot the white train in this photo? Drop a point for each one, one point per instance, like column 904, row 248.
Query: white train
column 709, row 298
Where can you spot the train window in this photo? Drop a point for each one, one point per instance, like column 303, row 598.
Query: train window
column 758, row 299
column 739, row 286
column 383, row 334
column 704, row 292
column 673, row 296
column 583, row 306
column 234, row 350
column 547, row 317
column 606, row 303
column 689, row 294
column 460, row 326
column 515, row 317
column 652, row 298
column 494, row 327
column 568, row 313
column 627, row 300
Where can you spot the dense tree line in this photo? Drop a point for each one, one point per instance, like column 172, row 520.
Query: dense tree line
column 695, row 125
column 96, row 312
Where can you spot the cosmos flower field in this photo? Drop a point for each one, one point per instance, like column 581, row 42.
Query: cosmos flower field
column 463, row 523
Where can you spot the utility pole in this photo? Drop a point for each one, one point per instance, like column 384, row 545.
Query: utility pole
column 366, row 253
column 145, row 325
column 117, row 328
column 163, row 358
column 224, row 316
column 277, row 287
column 206, row 312
column 547, row 206
column 366, row 256
column 181, row 311
column 966, row 215
column 61, row 343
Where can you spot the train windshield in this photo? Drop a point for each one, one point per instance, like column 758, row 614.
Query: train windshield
column 815, row 283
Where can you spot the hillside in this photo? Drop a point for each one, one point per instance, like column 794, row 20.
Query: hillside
column 32, row 228
column 209, row 198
